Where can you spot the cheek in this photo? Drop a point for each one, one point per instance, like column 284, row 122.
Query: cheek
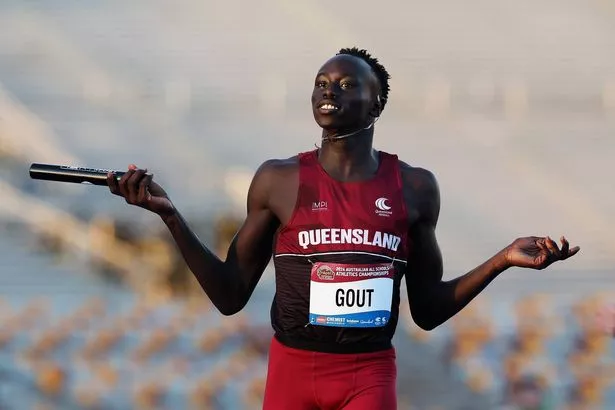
column 359, row 108
column 362, row 101
column 314, row 98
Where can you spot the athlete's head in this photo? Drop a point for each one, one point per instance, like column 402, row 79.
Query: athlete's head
column 350, row 90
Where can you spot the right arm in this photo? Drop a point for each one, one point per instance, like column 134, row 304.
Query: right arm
column 229, row 283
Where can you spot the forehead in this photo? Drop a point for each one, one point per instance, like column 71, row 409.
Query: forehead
column 346, row 65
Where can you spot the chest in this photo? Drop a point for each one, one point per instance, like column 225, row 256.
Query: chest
column 378, row 204
column 351, row 217
column 382, row 203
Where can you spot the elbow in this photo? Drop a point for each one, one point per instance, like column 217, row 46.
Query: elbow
column 429, row 309
column 227, row 295
column 426, row 320
column 230, row 307
column 426, row 325
column 228, row 311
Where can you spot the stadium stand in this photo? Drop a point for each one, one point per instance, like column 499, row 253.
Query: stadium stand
column 97, row 311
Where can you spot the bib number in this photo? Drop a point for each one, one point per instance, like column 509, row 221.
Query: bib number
column 351, row 295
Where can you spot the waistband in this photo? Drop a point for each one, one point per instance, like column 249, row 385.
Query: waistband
column 328, row 347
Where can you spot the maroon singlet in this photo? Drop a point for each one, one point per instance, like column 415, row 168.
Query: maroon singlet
column 340, row 259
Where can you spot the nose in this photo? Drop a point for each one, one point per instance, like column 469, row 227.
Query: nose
column 329, row 92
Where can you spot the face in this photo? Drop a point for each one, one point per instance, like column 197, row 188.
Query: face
column 345, row 92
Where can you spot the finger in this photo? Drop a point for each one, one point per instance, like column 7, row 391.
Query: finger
column 565, row 246
column 566, row 251
column 133, row 185
column 541, row 243
column 122, row 183
column 144, row 194
column 552, row 246
column 112, row 183
column 573, row 251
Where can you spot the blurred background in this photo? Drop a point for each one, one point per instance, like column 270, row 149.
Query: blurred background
column 510, row 104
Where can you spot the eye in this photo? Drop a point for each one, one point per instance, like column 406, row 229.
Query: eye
column 346, row 85
column 321, row 84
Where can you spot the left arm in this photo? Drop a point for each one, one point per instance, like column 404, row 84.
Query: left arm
column 434, row 301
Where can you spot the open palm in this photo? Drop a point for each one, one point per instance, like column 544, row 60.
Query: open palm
column 538, row 252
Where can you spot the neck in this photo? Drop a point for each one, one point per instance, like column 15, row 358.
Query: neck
column 350, row 158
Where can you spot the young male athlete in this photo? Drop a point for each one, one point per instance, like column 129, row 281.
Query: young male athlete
column 344, row 223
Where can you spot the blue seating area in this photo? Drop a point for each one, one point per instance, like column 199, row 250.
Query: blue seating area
column 511, row 109
column 553, row 345
column 71, row 340
column 112, row 352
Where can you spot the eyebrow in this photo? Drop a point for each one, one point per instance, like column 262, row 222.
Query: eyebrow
column 342, row 76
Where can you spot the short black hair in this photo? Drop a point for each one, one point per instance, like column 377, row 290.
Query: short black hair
column 381, row 73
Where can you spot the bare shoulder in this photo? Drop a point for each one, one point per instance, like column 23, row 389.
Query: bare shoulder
column 276, row 184
column 418, row 180
column 280, row 165
column 274, row 171
column 421, row 192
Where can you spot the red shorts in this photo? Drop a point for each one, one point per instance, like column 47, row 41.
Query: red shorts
column 305, row 380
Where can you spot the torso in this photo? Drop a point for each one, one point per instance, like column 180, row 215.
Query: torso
column 339, row 255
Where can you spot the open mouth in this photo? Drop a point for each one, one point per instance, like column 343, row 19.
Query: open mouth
column 328, row 108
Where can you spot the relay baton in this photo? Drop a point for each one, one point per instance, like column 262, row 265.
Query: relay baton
column 76, row 175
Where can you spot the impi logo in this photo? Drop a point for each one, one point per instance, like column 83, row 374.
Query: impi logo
column 382, row 208
column 319, row 206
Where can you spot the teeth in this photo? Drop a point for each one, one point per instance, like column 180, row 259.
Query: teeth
column 328, row 107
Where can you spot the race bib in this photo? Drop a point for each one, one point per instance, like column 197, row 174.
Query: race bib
column 351, row 295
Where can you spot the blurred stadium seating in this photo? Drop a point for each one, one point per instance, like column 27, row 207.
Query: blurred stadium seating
column 512, row 105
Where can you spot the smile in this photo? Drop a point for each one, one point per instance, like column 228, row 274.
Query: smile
column 328, row 108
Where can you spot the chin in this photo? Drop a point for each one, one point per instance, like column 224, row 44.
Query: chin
column 330, row 122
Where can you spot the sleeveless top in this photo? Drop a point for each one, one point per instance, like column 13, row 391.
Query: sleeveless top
column 340, row 259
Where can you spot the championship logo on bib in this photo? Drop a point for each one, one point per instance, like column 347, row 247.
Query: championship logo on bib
column 325, row 272
column 351, row 295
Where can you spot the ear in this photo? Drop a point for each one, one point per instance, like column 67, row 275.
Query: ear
column 377, row 109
